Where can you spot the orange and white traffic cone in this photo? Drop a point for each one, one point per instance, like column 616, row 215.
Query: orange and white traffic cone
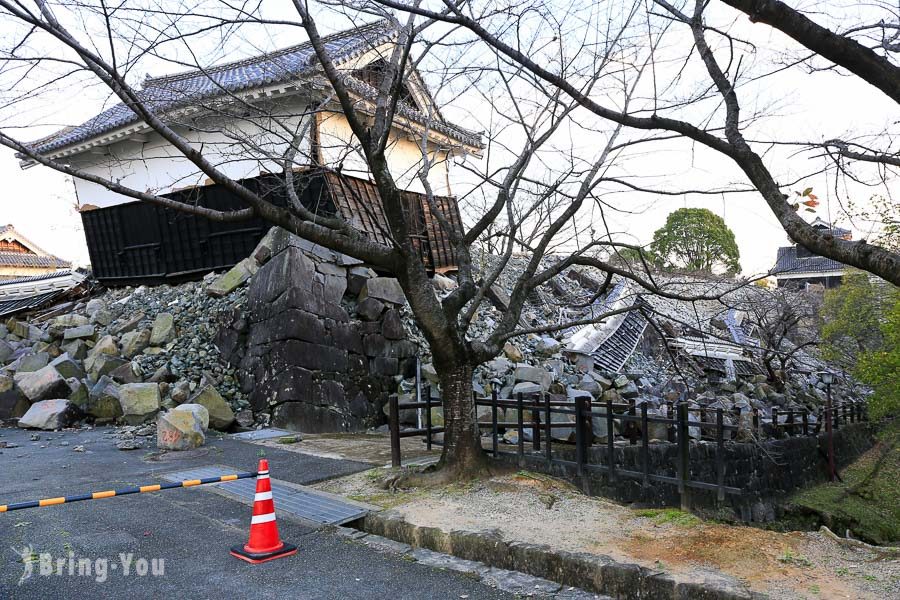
column 264, row 543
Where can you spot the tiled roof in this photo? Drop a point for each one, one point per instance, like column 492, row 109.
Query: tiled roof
column 20, row 259
column 787, row 262
column 36, row 278
column 171, row 92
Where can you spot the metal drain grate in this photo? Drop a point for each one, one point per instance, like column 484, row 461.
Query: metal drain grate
column 311, row 505
column 261, row 434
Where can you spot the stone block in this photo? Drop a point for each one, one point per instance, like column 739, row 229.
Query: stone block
column 392, row 326
column 43, row 384
column 67, row 367
column 13, row 403
column 103, row 364
column 163, row 330
column 128, row 324
column 235, row 277
column 179, row 430
column 386, row 289
column 537, row 375
column 104, row 400
column 369, row 309
column 134, row 342
column 6, row 351
column 82, row 332
column 126, row 373
column 199, row 410
column 49, row 415
column 139, row 401
column 77, row 349
column 346, row 336
column 33, row 362
column 220, row 414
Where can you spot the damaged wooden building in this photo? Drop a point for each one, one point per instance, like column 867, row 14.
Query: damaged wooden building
column 239, row 115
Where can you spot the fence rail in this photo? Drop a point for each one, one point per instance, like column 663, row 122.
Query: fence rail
column 536, row 417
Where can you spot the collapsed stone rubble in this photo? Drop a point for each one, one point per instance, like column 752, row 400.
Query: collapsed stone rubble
column 302, row 338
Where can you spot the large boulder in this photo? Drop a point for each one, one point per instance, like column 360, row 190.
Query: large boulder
column 199, row 410
column 103, row 364
column 49, row 414
column 82, row 332
column 128, row 324
column 220, row 414
column 105, row 345
column 67, row 367
column 6, row 351
column 163, row 330
column 43, row 384
column 386, row 289
column 233, row 279
column 179, row 430
column 13, row 403
column 126, row 373
column 139, row 401
column 134, row 342
column 537, row 375
column 32, row 362
column 76, row 349
column 104, row 402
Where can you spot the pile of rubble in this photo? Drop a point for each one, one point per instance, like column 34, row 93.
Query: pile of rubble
column 702, row 353
column 134, row 356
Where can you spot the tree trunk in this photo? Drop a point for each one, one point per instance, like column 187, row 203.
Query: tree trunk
column 462, row 455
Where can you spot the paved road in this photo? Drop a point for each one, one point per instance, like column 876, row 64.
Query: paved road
column 190, row 529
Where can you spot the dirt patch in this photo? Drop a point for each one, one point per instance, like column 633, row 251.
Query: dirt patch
column 371, row 448
column 540, row 509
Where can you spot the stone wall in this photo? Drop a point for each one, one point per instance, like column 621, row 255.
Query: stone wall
column 320, row 341
column 767, row 472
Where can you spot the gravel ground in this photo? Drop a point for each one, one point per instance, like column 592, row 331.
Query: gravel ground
column 535, row 508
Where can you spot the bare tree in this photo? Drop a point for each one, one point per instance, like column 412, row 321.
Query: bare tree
column 784, row 322
column 721, row 129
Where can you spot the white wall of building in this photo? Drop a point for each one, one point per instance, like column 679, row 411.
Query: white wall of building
column 240, row 148
column 243, row 148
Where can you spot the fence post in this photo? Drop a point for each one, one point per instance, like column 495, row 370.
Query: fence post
column 684, row 451
column 610, row 442
column 645, row 445
column 670, row 428
column 720, row 454
column 535, row 425
column 548, row 428
column 394, row 416
column 790, row 422
column 521, row 424
column 805, row 422
column 632, row 425
column 775, row 421
column 756, row 421
column 428, row 417
column 579, row 435
column 495, row 430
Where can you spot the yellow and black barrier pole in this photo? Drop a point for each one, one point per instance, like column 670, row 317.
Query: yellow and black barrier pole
column 123, row 492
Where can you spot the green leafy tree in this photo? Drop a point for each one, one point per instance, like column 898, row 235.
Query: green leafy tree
column 852, row 318
column 880, row 368
column 697, row 239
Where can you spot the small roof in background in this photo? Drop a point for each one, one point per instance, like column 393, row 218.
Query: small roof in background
column 30, row 256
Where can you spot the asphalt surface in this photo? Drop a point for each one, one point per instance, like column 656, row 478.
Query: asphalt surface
column 190, row 530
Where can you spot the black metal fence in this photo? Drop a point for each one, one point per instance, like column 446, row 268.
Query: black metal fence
column 535, row 416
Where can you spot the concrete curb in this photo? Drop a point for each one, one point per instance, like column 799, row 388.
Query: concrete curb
column 594, row 573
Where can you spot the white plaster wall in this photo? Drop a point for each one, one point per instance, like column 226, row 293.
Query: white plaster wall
column 405, row 156
column 156, row 166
